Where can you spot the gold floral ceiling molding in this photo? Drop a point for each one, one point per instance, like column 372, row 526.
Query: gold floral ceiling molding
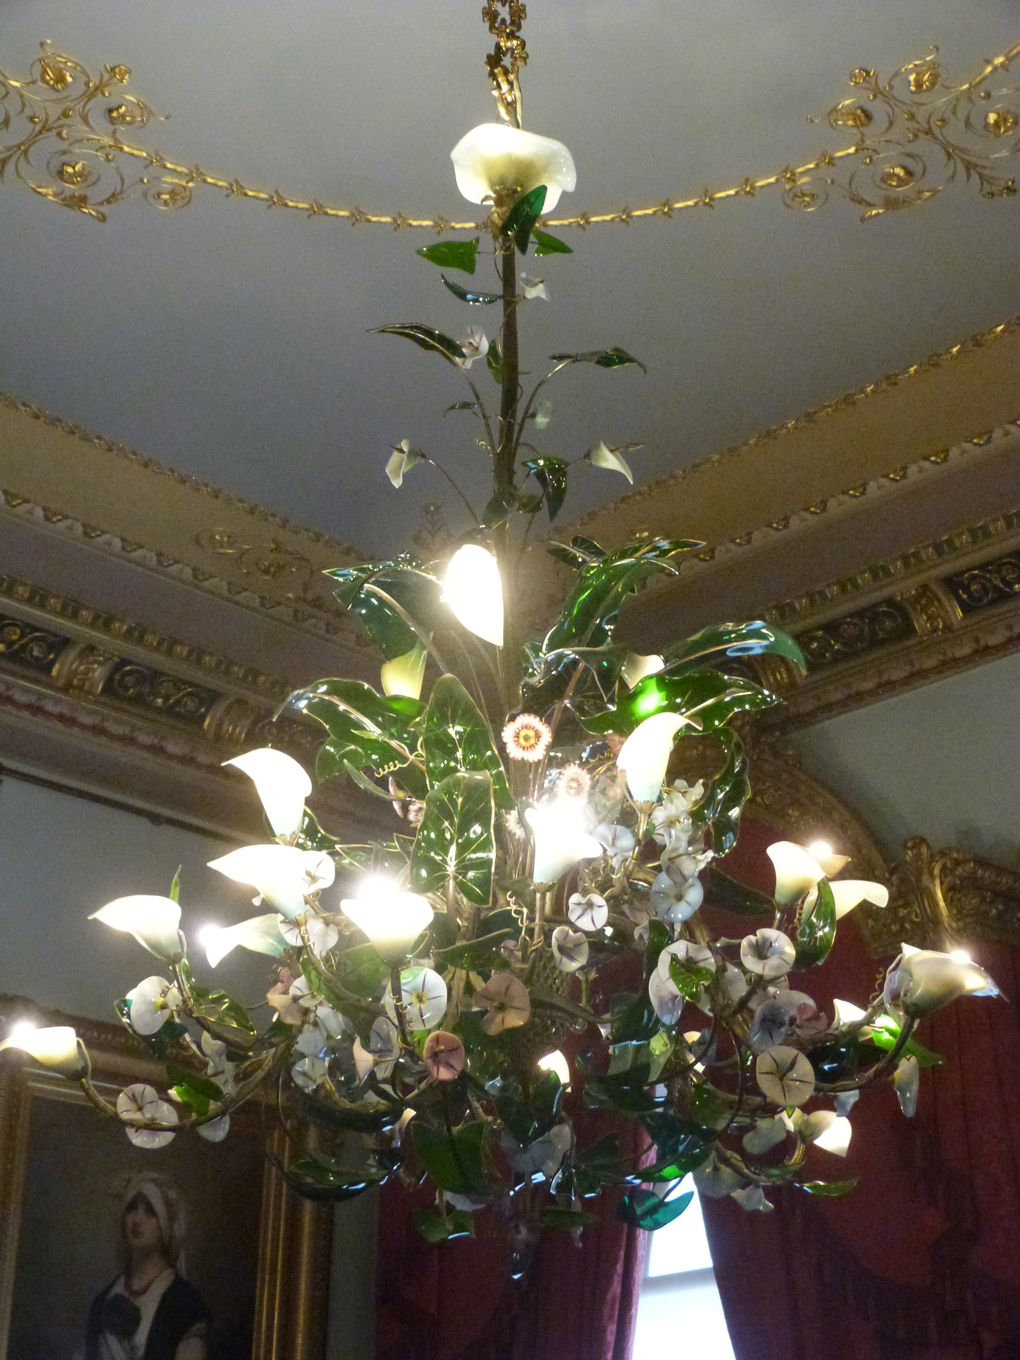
column 914, row 134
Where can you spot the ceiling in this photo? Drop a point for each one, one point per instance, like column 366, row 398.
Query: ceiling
column 231, row 342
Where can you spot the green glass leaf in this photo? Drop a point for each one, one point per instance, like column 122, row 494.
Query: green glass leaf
column 397, row 602
column 175, row 886
column 644, row 1209
column 361, row 970
column 707, row 697
column 435, row 1227
column 816, row 928
column 884, row 1032
column 457, row 739
column 461, row 255
column 494, row 361
column 721, row 807
column 473, row 299
column 689, row 978
column 455, row 843
column 733, row 640
column 434, row 341
column 578, row 553
column 829, row 1189
column 330, row 1180
column 605, row 358
column 725, row 892
column 549, row 245
column 365, row 728
column 475, row 954
column 196, row 1084
column 520, row 220
column 551, row 475
column 454, row 1164
column 461, row 406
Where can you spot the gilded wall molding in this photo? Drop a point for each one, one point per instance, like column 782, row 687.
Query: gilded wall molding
column 915, row 134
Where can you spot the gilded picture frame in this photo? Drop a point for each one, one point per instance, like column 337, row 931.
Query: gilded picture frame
column 276, row 1246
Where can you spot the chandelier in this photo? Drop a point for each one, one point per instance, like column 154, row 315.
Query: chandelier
column 528, row 943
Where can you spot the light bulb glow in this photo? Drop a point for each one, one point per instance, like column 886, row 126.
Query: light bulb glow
column 557, row 827
column 390, row 917
column 474, row 592
column 54, row 1046
column 960, row 956
column 819, row 850
column 797, row 871
column 556, row 1062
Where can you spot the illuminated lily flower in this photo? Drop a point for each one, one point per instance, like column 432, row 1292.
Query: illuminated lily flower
column 281, row 784
column 846, row 1013
column 473, row 590
column 542, row 415
column 570, row 949
column 423, row 993
column 766, row 1134
column 850, row 892
column 768, row 952
column 637, row 666
column 405, row 674
column 282, row 874
column 444, row 1055
column 617, row 841
column 506, row 1001
column 138, row 1105
column 153, row 921
column 797, row 871
column 260, row 934
column 475, row 346
column 751, row 1199
column 392, row 919
column 587, row 911
column 322, row 934
column 716, row 1180
column 401, row 461
column 785, row 1075
column 494, row 156
column 645, row 755
column 533, row 288
column 555, row 1062
column 560, row 840
column 824, row 1129
column 822, row 852
column 906, row 1083
column 604, row 457
column 924, row 980
column 54, row 1046
column 152, row 1003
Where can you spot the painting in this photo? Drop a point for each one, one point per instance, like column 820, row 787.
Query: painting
column 193, row 1251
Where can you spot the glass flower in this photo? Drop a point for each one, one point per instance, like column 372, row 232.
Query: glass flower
column 140, row 1104
column 282, row 874
column 797, row 871
column 768, row 952
column 152, row 1003
column 444, row 1055
column 906, row 1083
column 570, row 949
column 391, row 918
column 560, row 840
column 405, row 674
column 506, row 1002
column 54, row 1046
column 604, row 457
column 260, row 934
column 474, row 346
column 494, row 156
column 785, row 1075
column 645, row 755
column 850, row 892
column 281, row 784
column 423, row 993
column 587, row 911
column 573, row 781
column 401, row 461
column 526, row 737
column 924, row 980
column 474, row 592
column 153, row 921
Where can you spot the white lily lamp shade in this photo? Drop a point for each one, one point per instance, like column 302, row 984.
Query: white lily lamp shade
column 283, row 874
column 638, row 666
column 560, row 839
column 848, row 893
column 53, row 1046
column 556, row 1062
column 404, row 675
column 494, row 156
column 474, row 592
column 391, row 918
column 260, row 934
column 797, row 872
column 281, row 784
column 831, row 863
column 645, row 755
column 925, row 980
column 153, row 921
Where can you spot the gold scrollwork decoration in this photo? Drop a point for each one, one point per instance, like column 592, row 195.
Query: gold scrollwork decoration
column 268, row 562
column 68, row 126
column 916, row 133
column 913, row 136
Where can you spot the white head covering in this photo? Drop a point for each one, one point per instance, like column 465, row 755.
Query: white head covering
column 162, row 1196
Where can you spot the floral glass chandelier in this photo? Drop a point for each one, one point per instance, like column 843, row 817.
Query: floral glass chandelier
column 528, row 943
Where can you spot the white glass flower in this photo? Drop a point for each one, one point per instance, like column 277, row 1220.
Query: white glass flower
column 474, row 346
column 153, row 1002
column 473, row 590
column 906, row 1083
column 493, row 156
column 923, row 980
column 542, row 1157
column 604, row 457
column 534, row 288
column 404, row 675
column 850, row 892
column 309, row 1073
column 785, row 1075
column 570, row 949
column 53, row 1046
column 665, row 996
column 675, row 902
column 214, row 1130
column 423, row 993
column 768, row 952
column 401, row 461
column 825, row 1130
column 281, row 784
column 138, row 1105
column 587, row 911
column 506, row 1001
column 637, row 666
column 645, row 755
column 322, row 934
column 618, row 841
column 282, row 874
column 797, row 871
column 765, row 1135
column 716, row 1180
column 846, row 1013
column 751, row 1199
column 685, row 951
column 153, row 921
column 260, row 934
column 391, row 918
column 557, row 828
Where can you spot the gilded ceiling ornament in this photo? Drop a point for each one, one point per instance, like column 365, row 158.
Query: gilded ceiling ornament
column 914, row 135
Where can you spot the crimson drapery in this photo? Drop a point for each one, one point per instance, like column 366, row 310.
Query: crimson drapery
column 922, row 1261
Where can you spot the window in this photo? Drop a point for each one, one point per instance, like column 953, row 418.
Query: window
column 679, row 1284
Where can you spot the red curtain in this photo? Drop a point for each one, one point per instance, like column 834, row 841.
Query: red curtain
column 922, row 1260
